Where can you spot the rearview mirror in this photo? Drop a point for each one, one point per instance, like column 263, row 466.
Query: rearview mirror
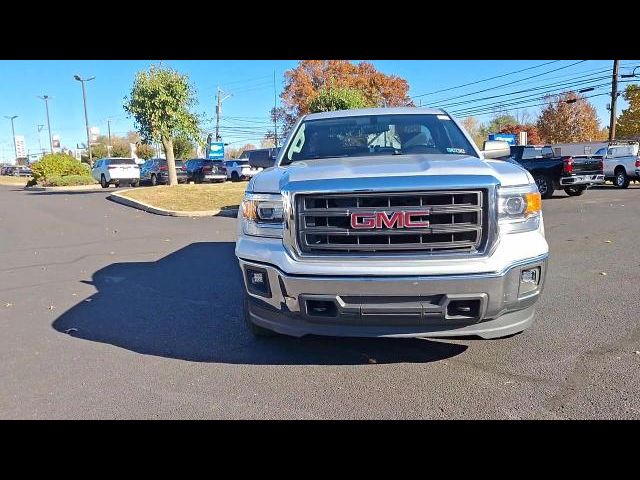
column 495, row 149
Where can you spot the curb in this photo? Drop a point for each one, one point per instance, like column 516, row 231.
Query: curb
column 77, row 188
column 118, row 198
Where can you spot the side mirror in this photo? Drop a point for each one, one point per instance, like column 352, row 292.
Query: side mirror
column 495, row 149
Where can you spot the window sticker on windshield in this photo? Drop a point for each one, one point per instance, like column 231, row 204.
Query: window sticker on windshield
column 443, row 117
column 456, row 150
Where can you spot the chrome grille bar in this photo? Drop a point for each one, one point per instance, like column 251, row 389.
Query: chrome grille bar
column 456, row 221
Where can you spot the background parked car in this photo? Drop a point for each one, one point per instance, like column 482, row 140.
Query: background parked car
column 201, row 170
column 573, row 173
column 24, row 171
column 261, row 157
column 156, row 172
column 240, row 168
column 16, row 171
column 621, row 163
column 116, row 171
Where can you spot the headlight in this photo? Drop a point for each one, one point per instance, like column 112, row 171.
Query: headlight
column 519, row 208
column 262, row 215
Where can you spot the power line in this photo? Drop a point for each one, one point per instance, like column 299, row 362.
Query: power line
column 501, row 106
column 506, row 84
column 523, row 103
column 543, row 104
column 563, row 85
column 483, row 80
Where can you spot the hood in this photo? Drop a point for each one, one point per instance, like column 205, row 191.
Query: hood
column 277, row 179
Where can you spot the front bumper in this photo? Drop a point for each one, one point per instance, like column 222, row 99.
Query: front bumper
column 216, row 177
column 582, row 179
column 489, row 305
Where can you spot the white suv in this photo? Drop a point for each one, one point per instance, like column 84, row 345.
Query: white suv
column 117, row 171
column 240, row 169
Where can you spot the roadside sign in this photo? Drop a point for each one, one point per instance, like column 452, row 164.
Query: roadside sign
column 216, row 150
column 505, row 137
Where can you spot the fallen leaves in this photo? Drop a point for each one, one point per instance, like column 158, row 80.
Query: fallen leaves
column 69, row 331
column 604, row 274
column 7, row 305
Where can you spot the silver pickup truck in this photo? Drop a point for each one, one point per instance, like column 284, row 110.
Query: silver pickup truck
column 390, row 223
column 621, row 163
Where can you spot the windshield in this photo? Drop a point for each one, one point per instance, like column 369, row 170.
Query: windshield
column 377, row 135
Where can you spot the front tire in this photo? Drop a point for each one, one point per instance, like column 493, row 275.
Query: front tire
column 235, row 177
column 256, row 330
column 545, row 186
column 135, row 184
column 621, row 180
column 103, row 181
column 575, row 191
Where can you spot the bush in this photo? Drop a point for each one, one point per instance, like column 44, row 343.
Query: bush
column 68, row 180
column 58, row 165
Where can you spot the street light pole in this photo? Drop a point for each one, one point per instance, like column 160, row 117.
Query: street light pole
column 46, row 104
column 40, row 127
column 630, row 75
column 86, row 117
column 13, row 133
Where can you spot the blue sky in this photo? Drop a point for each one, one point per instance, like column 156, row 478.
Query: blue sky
column 245, row 114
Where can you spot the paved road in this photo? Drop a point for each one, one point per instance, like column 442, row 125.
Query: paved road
column 152, row 309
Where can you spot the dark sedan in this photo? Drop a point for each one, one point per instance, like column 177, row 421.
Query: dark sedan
column 156, row 172
column 201, row 170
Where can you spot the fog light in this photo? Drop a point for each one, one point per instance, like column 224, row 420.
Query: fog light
column 258, row 281
column 529, row 280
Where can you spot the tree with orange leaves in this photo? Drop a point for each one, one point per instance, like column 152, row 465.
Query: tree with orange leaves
column 533, row 136
column 303, row 83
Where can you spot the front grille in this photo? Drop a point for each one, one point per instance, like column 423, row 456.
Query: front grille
column 455, row 222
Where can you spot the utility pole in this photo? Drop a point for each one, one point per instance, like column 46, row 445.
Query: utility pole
column 614, row 97
column 46, row 104
column 220, row 99
column 275, row 117
column 86, row 117
column 13, row 133
column 109, row 130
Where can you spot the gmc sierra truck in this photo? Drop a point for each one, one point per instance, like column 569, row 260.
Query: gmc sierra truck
column 390, row 223
column 574, row 174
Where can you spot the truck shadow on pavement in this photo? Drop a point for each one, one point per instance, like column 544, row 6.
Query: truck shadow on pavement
column 188, row 306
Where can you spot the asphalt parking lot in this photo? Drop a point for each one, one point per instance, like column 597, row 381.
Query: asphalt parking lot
column 109, row 312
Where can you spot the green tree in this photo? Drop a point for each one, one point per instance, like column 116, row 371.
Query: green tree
column 338, row 98
column 145, row 151
column 160, row 103
column 183, row 148
column 120, row 147
column 500, row 121
column 628, row 123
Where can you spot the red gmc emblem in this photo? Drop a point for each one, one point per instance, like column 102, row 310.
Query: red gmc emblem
column 389, row 220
